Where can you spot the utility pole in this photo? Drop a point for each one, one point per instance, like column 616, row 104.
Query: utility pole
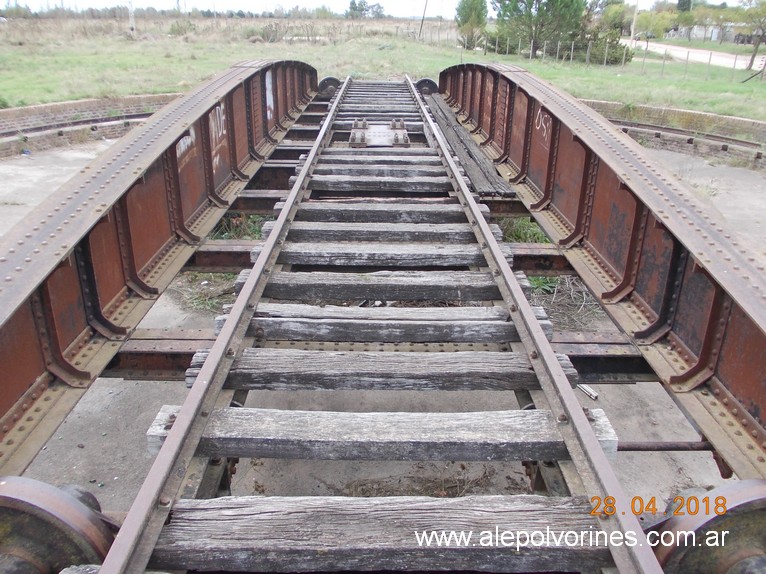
column 131, row 20
column 633, row 27
column 423, row 19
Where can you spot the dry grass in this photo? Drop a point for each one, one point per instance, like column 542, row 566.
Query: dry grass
column 569, row 304
column 46, row 61
column 205, row 291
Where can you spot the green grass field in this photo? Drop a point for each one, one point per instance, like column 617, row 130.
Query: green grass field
column 46, row 61
column 729, row 47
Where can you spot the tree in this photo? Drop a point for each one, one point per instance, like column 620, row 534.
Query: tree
column 539, row 21
column 356, row 9
column 615, row 17
column 723, row 18
column 704, row 18
column 654, row 24
column 755, row 17
column 684, row 5
column 471, row 19
column 595, row 10
column 377, row 11
column 685, row 20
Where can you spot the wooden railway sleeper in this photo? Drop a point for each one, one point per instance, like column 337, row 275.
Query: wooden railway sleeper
column 319, row 277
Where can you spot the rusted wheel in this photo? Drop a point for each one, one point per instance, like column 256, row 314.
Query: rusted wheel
column 741, row 508
column 44, row 529
column 427, row 86
column 328, row 85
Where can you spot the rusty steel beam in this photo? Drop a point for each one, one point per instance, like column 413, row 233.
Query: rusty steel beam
column 232, row 255
column 85, row 266
column 690, row 295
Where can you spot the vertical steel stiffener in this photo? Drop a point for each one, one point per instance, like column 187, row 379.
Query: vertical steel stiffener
column 691, row 297
column 88, row 263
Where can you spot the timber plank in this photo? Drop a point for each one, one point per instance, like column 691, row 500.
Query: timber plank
column 436, row 319
column 392, row 160
column 361, row 331
column 294, row 369
column 385, row 254
column 381, row 212
column 481, row 171
column 376, row 170
column 420, row 184
column 309, row 534
column 301, row 231
column 413, row 126
column 478, row 313
column 409, row 151
column 380, row 285
column 416, row 436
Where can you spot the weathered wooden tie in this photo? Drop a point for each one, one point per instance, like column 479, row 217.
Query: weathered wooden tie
column 292, row 369
column 381, row 283
column 317, row 533
column 325, row 435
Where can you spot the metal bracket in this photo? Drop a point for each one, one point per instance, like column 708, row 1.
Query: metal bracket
column 364, row 134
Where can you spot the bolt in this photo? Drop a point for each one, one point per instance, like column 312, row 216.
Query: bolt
column 533, row 354
column 164, row 501
column 562, row 418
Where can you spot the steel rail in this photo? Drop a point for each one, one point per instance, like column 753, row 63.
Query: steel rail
column 132, row 547
column 688, row 133
column 586, row 452
column 95, row 121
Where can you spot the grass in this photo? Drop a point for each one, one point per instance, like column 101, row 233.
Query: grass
column 205, row 291
column 239, row 226
column 522, row 230
column 727, row 47
column 47, row 61
column 541, row 284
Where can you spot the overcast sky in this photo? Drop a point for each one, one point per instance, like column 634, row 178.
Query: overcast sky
column 398, row 8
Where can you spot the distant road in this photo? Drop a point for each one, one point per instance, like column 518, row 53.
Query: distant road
column 699, row 56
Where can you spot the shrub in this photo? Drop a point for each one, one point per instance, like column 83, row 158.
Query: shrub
column 182, row 28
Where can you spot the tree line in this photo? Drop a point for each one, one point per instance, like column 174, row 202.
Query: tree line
column 534, row 24
column 357, row 9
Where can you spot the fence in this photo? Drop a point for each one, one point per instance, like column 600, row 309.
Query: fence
column 657, row 60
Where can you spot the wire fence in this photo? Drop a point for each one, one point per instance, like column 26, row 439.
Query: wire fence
column 655, row 60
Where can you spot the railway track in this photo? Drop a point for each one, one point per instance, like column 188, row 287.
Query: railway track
column 381, row 272
column 690, row 135
column 413, row 236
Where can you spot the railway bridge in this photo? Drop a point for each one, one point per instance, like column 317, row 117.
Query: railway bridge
column 383, row 270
